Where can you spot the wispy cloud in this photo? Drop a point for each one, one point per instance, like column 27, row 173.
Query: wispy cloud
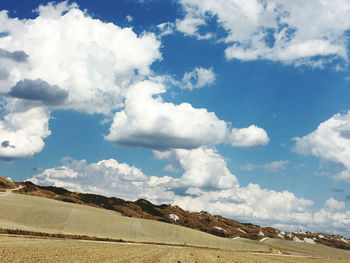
column 275, row 166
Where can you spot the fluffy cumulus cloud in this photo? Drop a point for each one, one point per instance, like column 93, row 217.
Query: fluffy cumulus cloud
column 88, row 58
column 248, row 137
column 150, row 122
column 338, row 222
column 273, row 29
column 63, row 59
column 198, row 78
column 200, row 167
column 251, row 203
column 203, row 167
column 22, row 134
column 330, row 142
column 107, row 177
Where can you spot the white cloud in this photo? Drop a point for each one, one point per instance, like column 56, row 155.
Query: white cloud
column 22, row 133
column 203, row 167
column 90, row 59
column 106, row 177
column 330, row 142
column 249, row 204
column 93, row 66
column 248, row 137
column 148, row 121
column 333, row 204
column 275, row 166
column 198, row 78
column 64, row 59
column 333, row 222
column 274, row 29
column 189, row 26
column 52, row 10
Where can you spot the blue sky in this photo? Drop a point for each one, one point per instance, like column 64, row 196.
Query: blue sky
column 238, row 108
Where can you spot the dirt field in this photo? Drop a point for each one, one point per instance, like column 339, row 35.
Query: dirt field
column 19, row 249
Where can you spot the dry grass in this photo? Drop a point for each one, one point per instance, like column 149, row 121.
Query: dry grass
column 17, row 249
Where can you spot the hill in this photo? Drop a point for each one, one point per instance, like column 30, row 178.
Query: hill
column 127, row 211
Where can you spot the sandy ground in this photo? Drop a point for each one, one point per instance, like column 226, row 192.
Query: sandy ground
column 19, row 249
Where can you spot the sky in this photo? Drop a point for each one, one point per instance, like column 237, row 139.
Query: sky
column 238, row 108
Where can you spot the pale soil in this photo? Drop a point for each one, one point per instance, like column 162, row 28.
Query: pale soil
column 46, row 215
column 18, row 249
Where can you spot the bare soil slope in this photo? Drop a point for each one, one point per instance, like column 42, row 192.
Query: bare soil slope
column 47, row 215
column 202, row 221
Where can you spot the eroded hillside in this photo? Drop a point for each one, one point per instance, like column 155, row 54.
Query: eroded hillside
column 203, row 221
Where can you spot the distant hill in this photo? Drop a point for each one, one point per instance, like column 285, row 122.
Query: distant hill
column 202, row 221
